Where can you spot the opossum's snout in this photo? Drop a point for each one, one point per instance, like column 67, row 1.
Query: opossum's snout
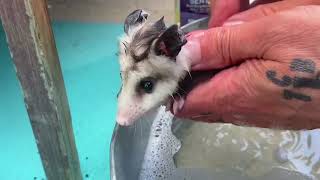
column 124, row 119
column 136, row 97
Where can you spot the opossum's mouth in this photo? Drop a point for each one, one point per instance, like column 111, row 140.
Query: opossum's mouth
column 188, row 83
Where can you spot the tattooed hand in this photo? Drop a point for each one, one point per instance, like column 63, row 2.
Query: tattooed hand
column 273, row 79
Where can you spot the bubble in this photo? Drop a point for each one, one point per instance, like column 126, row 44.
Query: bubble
column 281, row 155
column 158, row 162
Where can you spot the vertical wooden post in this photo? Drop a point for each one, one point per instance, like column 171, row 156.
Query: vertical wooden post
column 33, row 50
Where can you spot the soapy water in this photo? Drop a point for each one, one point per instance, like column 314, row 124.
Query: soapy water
column 227, row 149
column 162, row 145
column 228, row 152
column 253, row 151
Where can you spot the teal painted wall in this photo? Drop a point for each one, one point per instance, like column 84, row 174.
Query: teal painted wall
column 91, row 74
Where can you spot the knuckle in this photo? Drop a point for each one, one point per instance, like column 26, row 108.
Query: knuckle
column 299, row 31
column 266, row 10
column 223, row 102
column 310, row 11
column 223, row 44
column 243, row 89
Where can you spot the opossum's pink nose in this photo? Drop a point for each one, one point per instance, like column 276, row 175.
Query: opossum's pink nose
column 124, row 119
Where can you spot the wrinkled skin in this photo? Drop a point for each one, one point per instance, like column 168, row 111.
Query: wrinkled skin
column 263, row 45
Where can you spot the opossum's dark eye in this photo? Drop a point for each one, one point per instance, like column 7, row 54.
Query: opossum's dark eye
column 146, row 85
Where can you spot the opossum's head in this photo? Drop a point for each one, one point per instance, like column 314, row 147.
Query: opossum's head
column 148, row 69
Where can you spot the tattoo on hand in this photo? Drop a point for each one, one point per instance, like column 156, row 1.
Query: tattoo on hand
column 300, row 65
column 283, row 82
column 297, row 65
column 287, row 94
column 300, row 82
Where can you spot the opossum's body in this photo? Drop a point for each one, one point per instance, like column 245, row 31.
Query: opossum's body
column 149, row 72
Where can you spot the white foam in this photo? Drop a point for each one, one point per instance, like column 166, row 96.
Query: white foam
column 158, row 160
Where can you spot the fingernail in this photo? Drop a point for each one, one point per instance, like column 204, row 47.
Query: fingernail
column 232, row 23
column 175, row 107
column 189, row 55
column 181, row 103
column 197, row 34
column 178, row 105
column 198, row 67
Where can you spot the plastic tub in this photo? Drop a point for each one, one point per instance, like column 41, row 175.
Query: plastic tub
column 218, row 151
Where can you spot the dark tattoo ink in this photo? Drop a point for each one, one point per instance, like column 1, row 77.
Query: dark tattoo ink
column 284, row 82
column 297, row 65
column 306, row 65
column 290, row 95
column 300, row 82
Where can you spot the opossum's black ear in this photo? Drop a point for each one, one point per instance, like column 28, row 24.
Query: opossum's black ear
column 135, row 18
column 170, row 42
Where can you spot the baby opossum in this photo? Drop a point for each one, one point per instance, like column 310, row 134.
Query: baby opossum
column 149, row 71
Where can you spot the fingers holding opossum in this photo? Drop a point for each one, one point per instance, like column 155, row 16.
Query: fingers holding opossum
column 223, row 9
column 233, row 91
column 265, row 8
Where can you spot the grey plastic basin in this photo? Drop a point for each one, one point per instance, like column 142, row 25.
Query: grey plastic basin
column 129, row 144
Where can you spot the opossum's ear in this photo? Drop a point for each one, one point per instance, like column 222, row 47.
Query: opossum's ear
column 143, row 39
column 135, row 18
column 159, row 26
column 170, row 42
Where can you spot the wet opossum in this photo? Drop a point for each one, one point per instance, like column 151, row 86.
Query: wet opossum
column 150, row 74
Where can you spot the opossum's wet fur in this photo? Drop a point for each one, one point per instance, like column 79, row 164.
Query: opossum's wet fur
column 139, row 58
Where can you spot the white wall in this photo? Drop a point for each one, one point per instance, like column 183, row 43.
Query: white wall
column 109, row 10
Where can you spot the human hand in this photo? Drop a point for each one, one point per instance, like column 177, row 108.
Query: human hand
column 231, row 10
column 274, row 78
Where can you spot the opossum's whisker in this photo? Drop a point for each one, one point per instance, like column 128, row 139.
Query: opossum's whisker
column 134, row 133
column 150, row 123
column 125, row 46
column 172, row 97
column 179, row 95
column 182, row 90
column 190, row 74
column 140, row 127
column 147, row 121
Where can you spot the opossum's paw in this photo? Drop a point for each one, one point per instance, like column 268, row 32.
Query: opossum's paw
column 177, row 105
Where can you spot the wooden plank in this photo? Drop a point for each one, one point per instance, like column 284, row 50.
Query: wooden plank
column 33, row 50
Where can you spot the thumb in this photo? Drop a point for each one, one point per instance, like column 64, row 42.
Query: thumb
column 259, row 11
column 221, row 10
column 223, row 46
column 252, row 35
